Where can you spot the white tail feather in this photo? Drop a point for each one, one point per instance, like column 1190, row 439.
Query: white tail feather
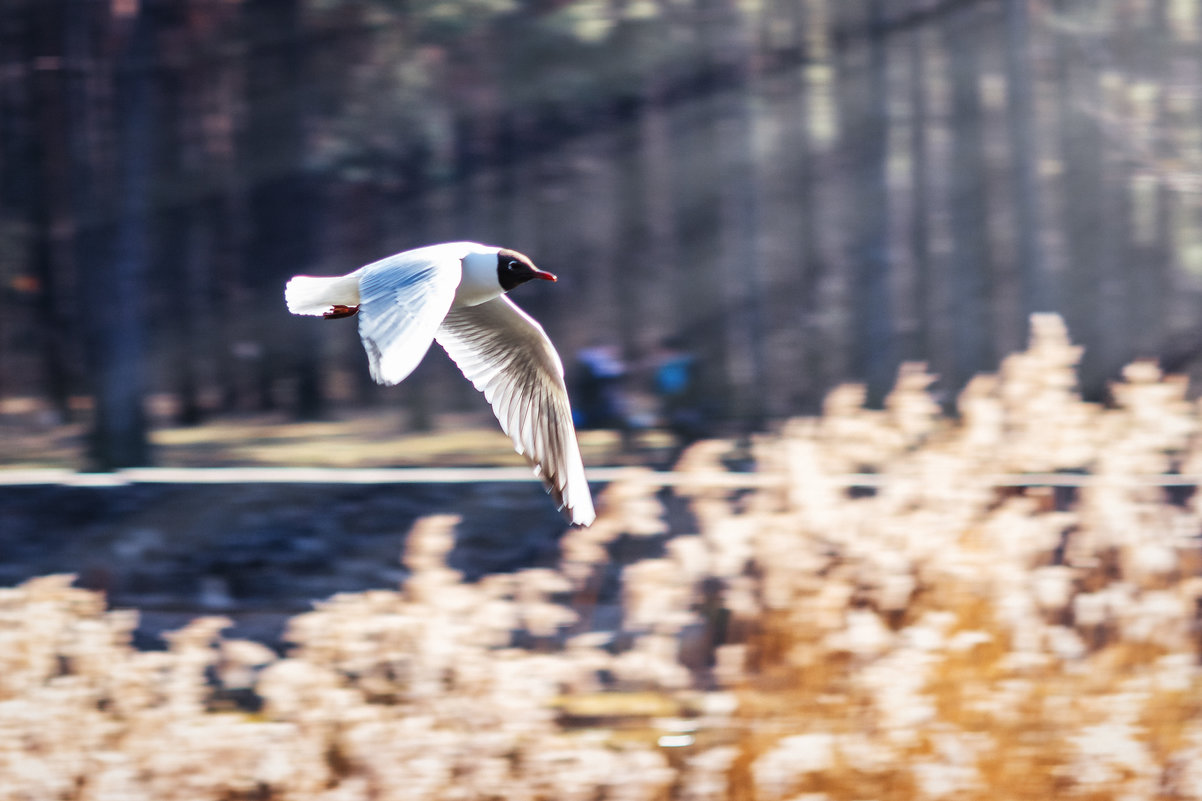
column 315, row 295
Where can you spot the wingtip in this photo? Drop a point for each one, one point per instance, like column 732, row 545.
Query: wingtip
column 582, row 516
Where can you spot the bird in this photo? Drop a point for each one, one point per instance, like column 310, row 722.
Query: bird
column 456, row 294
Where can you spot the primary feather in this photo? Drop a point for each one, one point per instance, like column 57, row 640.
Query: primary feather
column 508, row 357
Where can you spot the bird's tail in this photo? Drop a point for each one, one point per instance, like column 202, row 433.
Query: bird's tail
column 316, row 295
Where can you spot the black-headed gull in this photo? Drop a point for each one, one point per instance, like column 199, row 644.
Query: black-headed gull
column 455, row 293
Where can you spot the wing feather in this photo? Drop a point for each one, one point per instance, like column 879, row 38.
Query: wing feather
column 508, row 357
column 403, row 300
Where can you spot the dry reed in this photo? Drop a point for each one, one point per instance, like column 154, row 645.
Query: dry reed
column 935, row 637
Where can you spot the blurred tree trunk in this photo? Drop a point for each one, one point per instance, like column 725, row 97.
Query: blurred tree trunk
column 119, row 429
column 90, row 176
column 781, row 153
column 1081, row 149
column 40, row 174
column 1166, row 325
column 15, row 149
column 1153, row 254
column 184, row 247
column 658, row 157
column 971, row 257
column 866, row 121
column 1118, row 277
column 739, row 214
column 645, row 273
column 234, row 320
column 921, row 345
column 469, row 192
column 1036, row 290
column 633, row 227
column 699, row 297
column 720, row 275
column 590, row 200
column 815, row 99
column 281, row 196
column 1177, row 206
column 635, row 43
column 191, row 303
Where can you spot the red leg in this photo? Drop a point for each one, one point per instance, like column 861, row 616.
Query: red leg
column 341, row 311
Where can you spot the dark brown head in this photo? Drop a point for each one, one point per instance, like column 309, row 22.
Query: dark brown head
column 514, row 269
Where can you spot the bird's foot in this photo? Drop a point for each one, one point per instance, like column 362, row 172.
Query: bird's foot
column 341, row 311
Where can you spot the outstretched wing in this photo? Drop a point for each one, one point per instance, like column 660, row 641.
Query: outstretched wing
column 403, row 300
column 507, row 356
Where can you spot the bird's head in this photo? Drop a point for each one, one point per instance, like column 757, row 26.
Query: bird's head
column 514, row 269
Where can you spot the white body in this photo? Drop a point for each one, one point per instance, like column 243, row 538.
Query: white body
column 316, row 295
column 451, row 294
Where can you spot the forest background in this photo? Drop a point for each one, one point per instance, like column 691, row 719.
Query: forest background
column 797, row 192
column 900, row 604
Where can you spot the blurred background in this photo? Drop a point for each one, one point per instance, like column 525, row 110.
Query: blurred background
column 861, row 578
column 781, row 195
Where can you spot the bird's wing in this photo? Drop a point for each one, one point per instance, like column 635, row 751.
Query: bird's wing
column 507, row 356
column 402, row 301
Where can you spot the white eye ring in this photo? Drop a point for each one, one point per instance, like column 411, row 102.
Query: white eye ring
column 513, row 265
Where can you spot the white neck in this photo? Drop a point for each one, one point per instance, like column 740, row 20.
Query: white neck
column 479, row 282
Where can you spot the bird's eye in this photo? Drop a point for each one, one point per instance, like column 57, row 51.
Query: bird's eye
column 513, row 265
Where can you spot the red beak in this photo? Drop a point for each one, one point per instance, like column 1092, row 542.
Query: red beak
column 546, row 276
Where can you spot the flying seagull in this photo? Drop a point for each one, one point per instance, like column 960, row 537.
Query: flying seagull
column 455, row 293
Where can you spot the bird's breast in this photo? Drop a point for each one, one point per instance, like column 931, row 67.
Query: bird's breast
column 468, row 295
